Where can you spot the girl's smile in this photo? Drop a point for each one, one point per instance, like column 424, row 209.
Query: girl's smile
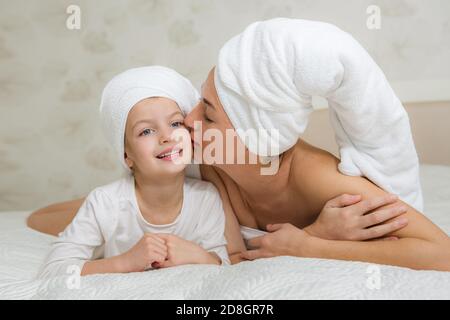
column 170, row 154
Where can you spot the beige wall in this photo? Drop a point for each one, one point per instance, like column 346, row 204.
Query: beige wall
column 51, row 147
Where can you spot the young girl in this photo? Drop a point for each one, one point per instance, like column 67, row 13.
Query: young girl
column 154, row 217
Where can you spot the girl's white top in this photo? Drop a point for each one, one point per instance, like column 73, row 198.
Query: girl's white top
column 110, row 223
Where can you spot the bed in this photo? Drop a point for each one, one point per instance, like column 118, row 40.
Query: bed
column 22, row 251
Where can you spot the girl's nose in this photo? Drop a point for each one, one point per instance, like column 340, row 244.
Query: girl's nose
column 165, row 136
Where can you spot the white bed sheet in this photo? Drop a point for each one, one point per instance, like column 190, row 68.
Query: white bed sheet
column 22, row 251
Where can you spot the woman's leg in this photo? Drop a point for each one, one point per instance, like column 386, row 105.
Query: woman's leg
column 54, row 218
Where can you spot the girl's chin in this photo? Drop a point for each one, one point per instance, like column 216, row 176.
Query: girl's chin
column 173, row 166
column 168, row 170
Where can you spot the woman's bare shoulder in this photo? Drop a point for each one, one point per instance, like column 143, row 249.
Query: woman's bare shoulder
column 307, row 160
column 318, row 178
column 315, row 175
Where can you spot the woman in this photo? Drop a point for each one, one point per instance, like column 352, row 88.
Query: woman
column 307, row 207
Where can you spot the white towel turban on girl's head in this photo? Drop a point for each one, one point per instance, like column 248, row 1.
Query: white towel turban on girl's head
column 266, row 76
column 134, row 85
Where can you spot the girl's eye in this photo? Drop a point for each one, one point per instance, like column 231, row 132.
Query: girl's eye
column 177, row 124
column 146, row 132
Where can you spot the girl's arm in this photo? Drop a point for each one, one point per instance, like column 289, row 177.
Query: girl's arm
column 107, row 265
column 148, row 250
column 77, row 244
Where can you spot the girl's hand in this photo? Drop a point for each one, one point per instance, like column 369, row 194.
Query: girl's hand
column 347, row 218
column 147, row 252
column 181, row 251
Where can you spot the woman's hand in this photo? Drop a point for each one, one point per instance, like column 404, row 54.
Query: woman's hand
column 346, row 217
column 181, row 251
column 147, row 252
column 282, row 240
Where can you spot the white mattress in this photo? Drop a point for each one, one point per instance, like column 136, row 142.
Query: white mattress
column 22, row 250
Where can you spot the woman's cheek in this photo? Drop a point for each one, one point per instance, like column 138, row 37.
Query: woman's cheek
column 205, row 142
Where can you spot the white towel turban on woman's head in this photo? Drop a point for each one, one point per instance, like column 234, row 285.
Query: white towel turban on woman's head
column 266, row 77
column 134, row 85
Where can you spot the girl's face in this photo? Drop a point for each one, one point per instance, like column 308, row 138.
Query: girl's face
column 151, row 145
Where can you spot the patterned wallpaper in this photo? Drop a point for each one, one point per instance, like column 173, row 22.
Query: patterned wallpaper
column 51, row 146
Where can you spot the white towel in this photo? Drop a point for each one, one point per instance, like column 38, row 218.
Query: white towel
column 266, row 77
column 134, row 85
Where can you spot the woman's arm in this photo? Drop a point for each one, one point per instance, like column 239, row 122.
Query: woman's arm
column 287, row 240
column 421, row 244
column 412, row 253
column 54, row 218
column 323, row 181
column 235, row 242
